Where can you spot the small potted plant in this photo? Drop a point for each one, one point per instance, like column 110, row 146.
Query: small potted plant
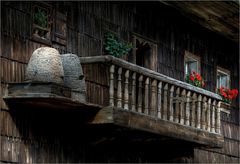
column 40, row 23
column 115, row 47
column 195, row 79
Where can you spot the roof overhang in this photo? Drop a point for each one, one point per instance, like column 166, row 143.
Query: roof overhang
column 221, row 17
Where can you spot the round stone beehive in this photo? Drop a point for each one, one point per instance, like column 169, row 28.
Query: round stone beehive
column 45, row 65
column 73, row 75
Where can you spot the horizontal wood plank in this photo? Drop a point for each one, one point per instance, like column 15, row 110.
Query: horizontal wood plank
column 167, row 128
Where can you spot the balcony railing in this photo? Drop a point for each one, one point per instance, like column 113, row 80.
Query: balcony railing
column 142, row 91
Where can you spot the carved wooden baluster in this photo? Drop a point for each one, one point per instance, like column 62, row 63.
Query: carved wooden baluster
column 208, row 115
column 218, row 123
column 159, row 105
column 126, row 95
column 139, row 104
column 146, row 96
column 134, row 91
column 165, row 101
column 153, row 98
column 183, row 95
column 119, row 88
column 193, row 119
column 171, row 103
column 111, row 87
column 176, row 115
column 187, row 109
column 213, row 117
column 204, row 108
column 199, row 111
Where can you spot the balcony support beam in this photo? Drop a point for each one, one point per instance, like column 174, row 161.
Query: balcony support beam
column 142, row 122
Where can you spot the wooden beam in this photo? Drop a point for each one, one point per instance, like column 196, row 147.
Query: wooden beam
column 103, row 116
column 166, row 128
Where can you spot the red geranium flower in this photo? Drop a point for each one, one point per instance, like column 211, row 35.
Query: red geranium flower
column 227, row 94
column 195, row 79
column 199, row 78
column 191, row 77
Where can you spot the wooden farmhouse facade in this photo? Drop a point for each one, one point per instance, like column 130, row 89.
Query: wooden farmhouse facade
column 160, row 101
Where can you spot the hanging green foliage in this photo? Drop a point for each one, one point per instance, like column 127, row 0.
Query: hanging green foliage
column 115, row 47
column 41, row 18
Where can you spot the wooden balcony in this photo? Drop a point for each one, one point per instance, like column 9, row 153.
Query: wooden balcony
column 129, row 96
column 139, row 98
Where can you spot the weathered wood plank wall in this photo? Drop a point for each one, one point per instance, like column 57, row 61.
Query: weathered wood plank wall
column 24, row 139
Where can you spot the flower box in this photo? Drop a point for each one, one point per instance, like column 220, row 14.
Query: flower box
column 225, row 107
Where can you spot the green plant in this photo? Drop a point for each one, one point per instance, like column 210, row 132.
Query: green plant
column 195, row 79
column 114, row 46
column 41, row 18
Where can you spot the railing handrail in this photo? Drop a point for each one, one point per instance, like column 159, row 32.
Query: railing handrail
column 147, row 72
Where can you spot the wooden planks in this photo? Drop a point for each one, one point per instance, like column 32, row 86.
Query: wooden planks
column 12, row 71
column 89, row 20
column 170, row 129
column 97, row 84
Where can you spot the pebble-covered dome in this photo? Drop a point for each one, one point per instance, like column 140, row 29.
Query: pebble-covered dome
column 73, row 75
column 45, row 65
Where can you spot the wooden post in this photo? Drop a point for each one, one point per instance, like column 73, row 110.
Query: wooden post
column 218, row 123
column 171, row 103
column 119, row 88
column 208, row 115
column 159, row 104
column 199, row 110
column 213, row 117
column 111, row 86
column 153, row 101
column 193, row 119
column 126, row 96
column 187, row 109
column 176, row 115
column 134, row 91
column 204, row 108
column 183, row 96
column 165, row 101
column 139, row 104
column 146, row 96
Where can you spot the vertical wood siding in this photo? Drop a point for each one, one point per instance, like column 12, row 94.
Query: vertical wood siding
column 28, row 137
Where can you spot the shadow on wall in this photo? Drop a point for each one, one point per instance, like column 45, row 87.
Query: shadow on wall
column 64, row 136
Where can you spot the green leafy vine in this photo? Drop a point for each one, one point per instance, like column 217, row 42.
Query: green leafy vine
column 114, row 46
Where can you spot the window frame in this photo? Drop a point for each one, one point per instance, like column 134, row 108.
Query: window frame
column 223, row 71
column 48, row 30
column 153, row 46
column 194, row 57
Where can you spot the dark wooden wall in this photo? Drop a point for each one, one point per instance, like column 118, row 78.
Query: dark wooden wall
column 27, row 136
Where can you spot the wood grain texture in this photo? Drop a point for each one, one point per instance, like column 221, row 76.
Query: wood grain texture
column 43, row 135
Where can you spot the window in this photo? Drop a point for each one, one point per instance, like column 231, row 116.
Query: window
column 191, row 63
column 223, row 78
column 144, row 52
column 41, row 23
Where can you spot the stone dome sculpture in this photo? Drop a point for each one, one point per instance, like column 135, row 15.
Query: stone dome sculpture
column 45, row 65
column 73, row 76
